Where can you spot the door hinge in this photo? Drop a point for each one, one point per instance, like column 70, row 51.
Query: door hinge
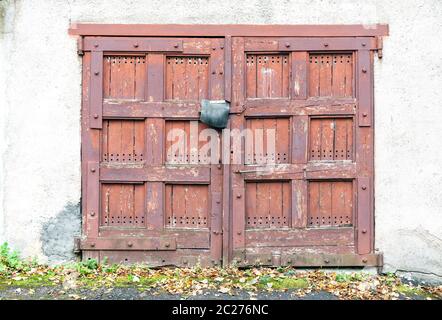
column 80, row 47
column 379, row 45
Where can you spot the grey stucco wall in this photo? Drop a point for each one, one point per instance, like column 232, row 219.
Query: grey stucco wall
column 40, row 77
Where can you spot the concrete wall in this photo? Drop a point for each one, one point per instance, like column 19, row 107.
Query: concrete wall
column 40, row 113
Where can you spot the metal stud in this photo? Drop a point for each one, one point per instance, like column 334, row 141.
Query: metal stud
column 364, row 187
column 364, row 231
column 364, row 260
column 95, row 116
column 365, row 114
column 93, row 245
column 135, row 45
column 364, row 70
column 325, row 44
column 287, row 45
column 92, row 213
column 175, row 45
column 92, row 169
column 130, row 244
column 238, row 195
column 96, row 73
column 167, row 245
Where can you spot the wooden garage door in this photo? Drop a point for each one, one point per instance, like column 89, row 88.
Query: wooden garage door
column 304, row 200
column 296, row 190
column 144, row 201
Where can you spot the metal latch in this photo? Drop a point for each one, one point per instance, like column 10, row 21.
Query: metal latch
column 215, row 113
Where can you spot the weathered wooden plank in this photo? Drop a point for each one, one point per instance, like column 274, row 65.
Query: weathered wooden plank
column 132, row 44
column 138, row 109
column 300, row 237
column 155, row 174
column 129, row 243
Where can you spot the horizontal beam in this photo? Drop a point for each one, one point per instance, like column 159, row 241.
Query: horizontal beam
column 213, row 30
column 128, row 243
column 138, row 109
column 155, row 174
column 132, row 44
column 267, row 108
column 196, row 239
column 256, row 238
column 311, row 171
column 310, row 259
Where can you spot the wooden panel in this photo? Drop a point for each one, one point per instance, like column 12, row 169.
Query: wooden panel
column 187, row 206
column 185, row 144
column 330, row 203
column 124, row 77
column 268, row 141
column 123, row 141
column 122, row 205
column 267, row 76
column 331, row 139
column 268, row 204
column 331, row 74
column 187, row 78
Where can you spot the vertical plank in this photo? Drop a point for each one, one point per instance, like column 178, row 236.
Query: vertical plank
column 238, row 78
column 325, row 75
column 314, row 204
column 313, row 75
column 285, row 74
column 325, row 202
column 327, row 134
column 107, row 65
column 340, row 139
column 140, row 77
column 155, row 77
column 364, row 88
column 217, row 70
column 338, row 75
column 228, row 68
column 350, row 139
column 287, row 204
column 154, row 204
column 93, row 198
column 251, row 75
column 349, row 77
column 300, row 139
column 299, row 203
column 154, row 140
column 299, row 62
column 276, row 217
column 364, row 216
column 282, row 146
column 96, row 90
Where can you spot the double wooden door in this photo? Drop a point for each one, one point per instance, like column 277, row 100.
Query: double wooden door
column 288, row 182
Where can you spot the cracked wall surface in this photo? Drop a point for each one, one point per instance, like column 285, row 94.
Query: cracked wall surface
column 40, row 83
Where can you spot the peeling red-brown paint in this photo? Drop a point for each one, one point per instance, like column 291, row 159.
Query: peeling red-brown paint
column 290, row 77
